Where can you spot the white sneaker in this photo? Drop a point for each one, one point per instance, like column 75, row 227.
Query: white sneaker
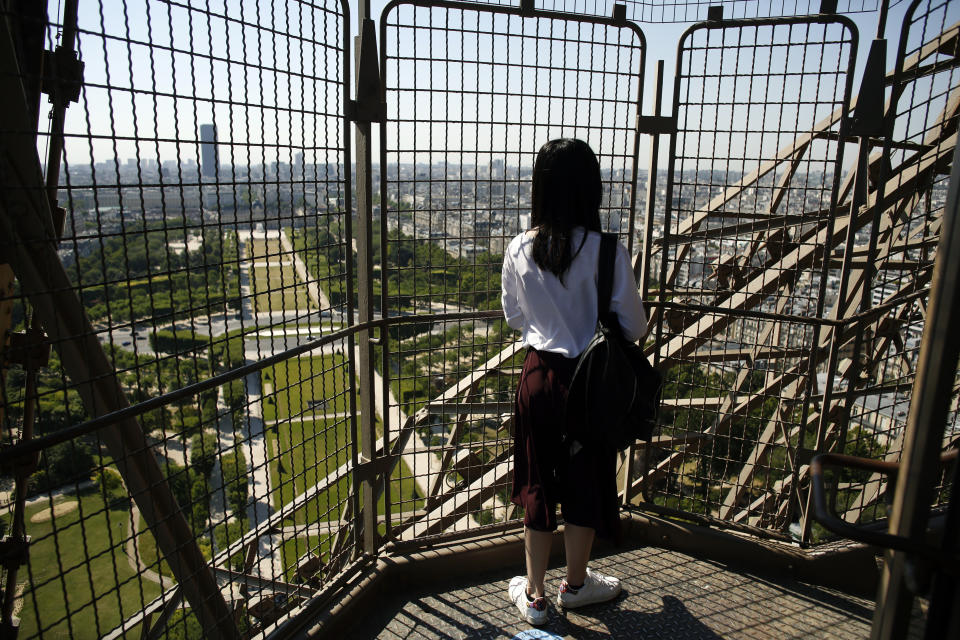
column 596, row 588
column 533, row 612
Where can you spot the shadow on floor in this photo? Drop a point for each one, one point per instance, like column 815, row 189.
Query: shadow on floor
column 607, row 621
column 666, row 595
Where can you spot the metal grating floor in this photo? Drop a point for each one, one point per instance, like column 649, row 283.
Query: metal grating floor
column 666, row 595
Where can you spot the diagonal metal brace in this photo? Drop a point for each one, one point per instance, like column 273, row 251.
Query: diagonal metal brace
column 29, row 237
column 869, row 116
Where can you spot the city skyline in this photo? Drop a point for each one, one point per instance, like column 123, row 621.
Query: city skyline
column 146, row 121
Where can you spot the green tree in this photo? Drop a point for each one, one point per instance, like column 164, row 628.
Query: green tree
column 110, row 484
column 62, row 464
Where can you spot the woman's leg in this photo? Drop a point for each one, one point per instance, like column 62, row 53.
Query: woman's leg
column 537, row 547
column 577, row 542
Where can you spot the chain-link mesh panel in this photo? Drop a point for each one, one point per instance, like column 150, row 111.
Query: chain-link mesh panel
column 680, row 11
column 900, row 249
column 472, row 93
column 665, row 11
column 739, row 267
column 205, row 181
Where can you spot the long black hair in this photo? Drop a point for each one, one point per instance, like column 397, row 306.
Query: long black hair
column 566, row 193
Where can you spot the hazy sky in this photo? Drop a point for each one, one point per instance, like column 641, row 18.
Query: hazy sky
column 161, row 94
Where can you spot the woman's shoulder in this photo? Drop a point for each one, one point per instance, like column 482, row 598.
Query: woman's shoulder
column 592, row 238
column 520, row 240
column 591, row 234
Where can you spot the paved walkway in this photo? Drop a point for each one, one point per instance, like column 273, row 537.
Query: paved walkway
column 268, row 564
column 317, row 296
column 422, row 463
column 311, row 417
column 7, row 503
column 132, row 551
column 666, row 594
column 225, row 443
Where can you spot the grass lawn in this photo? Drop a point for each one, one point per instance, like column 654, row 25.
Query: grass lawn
column 306, row 385
column 152, row 280
column 149, row 553
column 294, row 548
column 301, row 454
column 278, row 288
column 260, row 250
column 308, row 452
column 75, row 568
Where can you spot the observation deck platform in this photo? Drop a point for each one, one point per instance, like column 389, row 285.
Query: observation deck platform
column 702, row 584
column 666, row 594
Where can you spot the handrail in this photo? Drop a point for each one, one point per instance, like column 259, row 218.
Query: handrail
column 14, row 452
column 826, row 516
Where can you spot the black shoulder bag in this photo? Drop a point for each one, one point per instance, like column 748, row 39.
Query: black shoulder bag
column 614, row 395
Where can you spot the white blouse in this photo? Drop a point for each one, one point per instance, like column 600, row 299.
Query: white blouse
column 562, row 317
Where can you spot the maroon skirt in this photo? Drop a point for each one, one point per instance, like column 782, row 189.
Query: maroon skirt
column 544, row 472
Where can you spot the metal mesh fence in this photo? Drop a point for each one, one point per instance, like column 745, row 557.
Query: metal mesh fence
column 206, row 275
column 472, row 94
column 901, row 246
column 739, row 270
column 205, row 187
column 664, row 11
column 789, row 325
column 668, row 11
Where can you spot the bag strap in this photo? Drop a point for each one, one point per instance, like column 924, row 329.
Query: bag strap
column 605, row 259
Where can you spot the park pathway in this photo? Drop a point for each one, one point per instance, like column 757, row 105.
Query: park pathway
column 317, row 295
column 132, row 551
column 268, row 563
column 226, row 442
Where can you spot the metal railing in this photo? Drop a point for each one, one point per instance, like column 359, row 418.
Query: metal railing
column 269, row 362
column 686, row 11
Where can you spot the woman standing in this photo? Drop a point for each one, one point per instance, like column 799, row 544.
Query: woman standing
column 550, row 294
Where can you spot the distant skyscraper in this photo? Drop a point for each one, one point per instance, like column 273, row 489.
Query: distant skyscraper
column 209, row 158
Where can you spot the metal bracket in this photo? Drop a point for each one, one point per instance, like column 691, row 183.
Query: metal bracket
column 369, row 105
column 62, row 75
column 715, row 13
column 379, row 466
column 31, row 346
column 804, row 456
column 828, row 6
column 9, row 629
column 365, row 111
column 620, row 13
column 14, row 551
column 22, row 466
column 526, row 7
column 868, row 117
column 657, row 125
